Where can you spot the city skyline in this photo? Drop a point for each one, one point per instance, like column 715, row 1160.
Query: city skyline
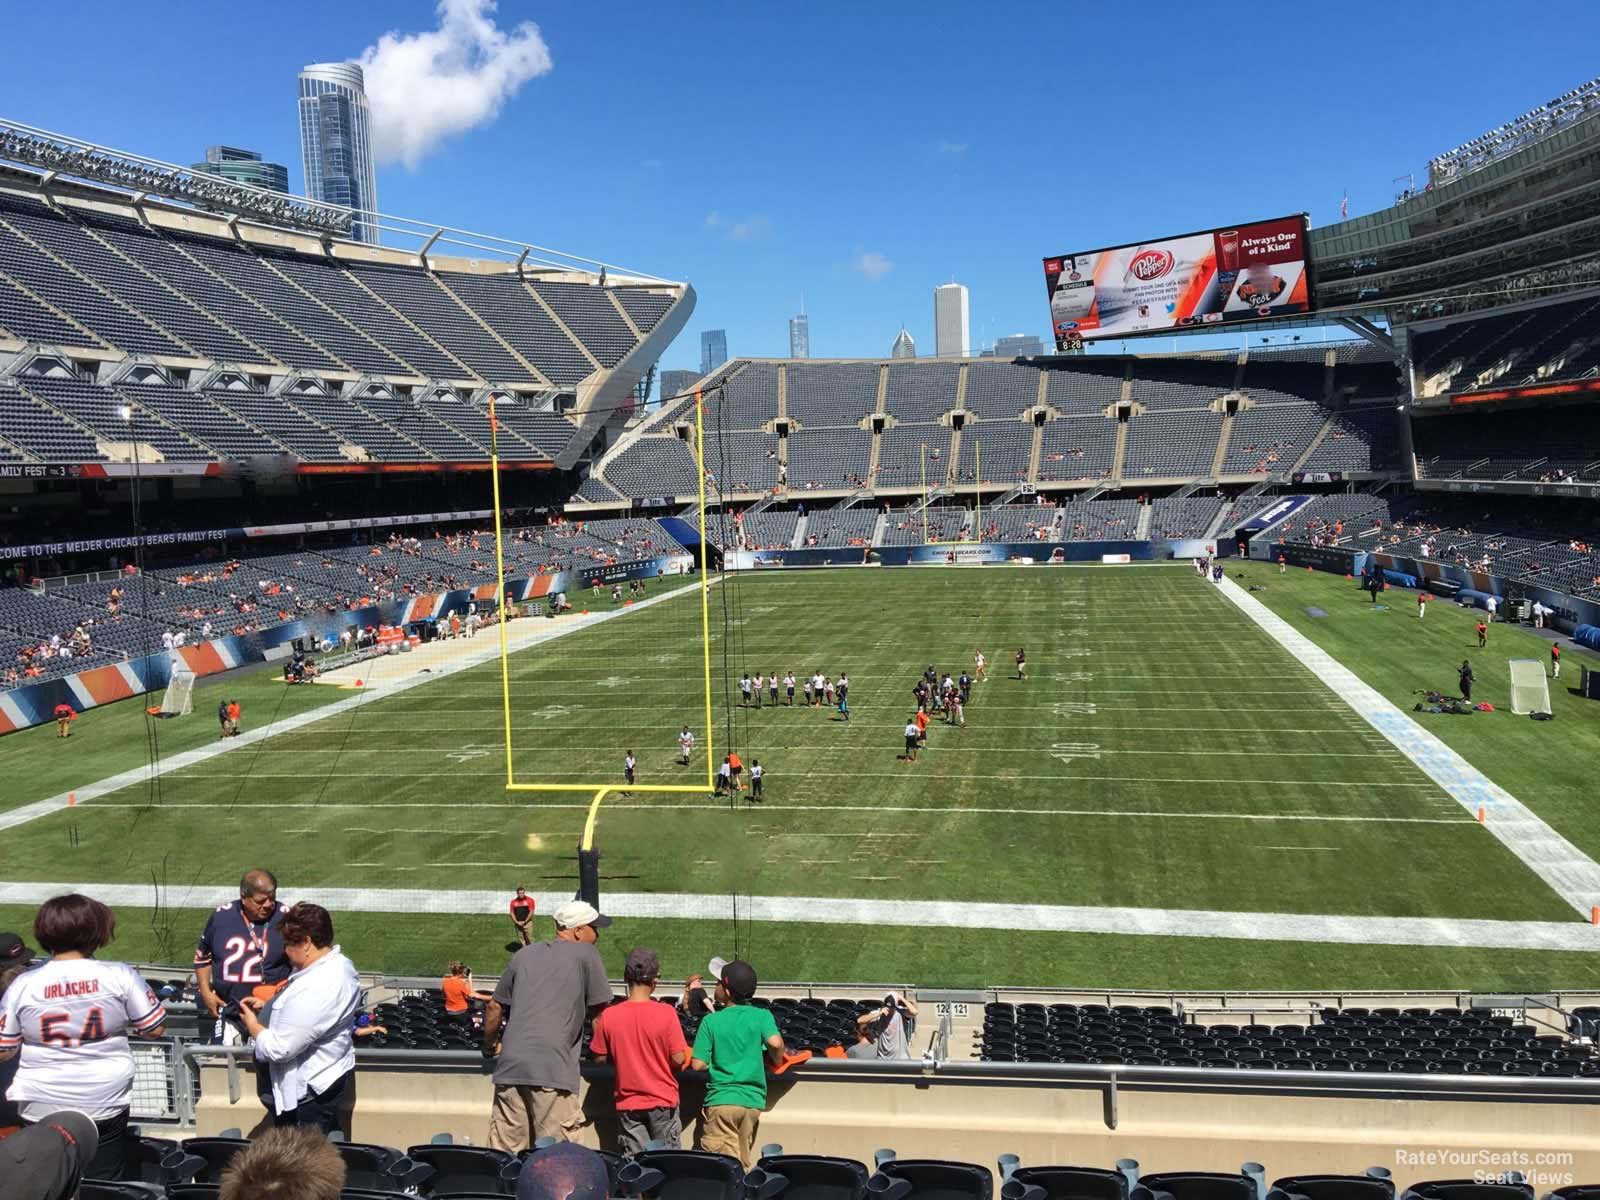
column 336, row 141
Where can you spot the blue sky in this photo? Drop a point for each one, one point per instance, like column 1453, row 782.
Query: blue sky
column 859, row 154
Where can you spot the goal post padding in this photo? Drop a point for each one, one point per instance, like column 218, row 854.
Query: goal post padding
column 1530, row 690
column 178, row 700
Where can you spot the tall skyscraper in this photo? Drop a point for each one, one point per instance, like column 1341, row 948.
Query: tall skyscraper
column 1018, row 345
column 905, row 345
column 676, row 383
column 950, row 321
column 334, row 144
column 243, row 166
column 713, row 350
column 800, row 336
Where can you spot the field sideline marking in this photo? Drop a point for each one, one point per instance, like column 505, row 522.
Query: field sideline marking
column 940, row 810
column 921, row 914
column 23, row 814
column 1568, row 871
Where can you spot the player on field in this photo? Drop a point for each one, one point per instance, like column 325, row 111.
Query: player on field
column 1283, row 565
column 65, row 715
column 965, row 684
column 522, row 906
column 757, row 772
column 628, row 765
column 843, row 692
column 755, row 688
column 913, row 734
column 980, row 666
column 724, row 777
column 805, row 688
column 772, row 688
column 827, row 690
column 921, row 720
column 817, row 683
column 1422, row 605
column 788, row 685
column 744, row 691
column 1555, row 660
column 1483, row 635
column 1022, row 663
column 685, row 745
column 958, row 710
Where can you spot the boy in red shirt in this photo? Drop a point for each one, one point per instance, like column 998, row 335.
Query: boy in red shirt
column 642, row 1039
column 1483, row 635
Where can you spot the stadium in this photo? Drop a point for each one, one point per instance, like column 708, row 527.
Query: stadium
column 1205, row 825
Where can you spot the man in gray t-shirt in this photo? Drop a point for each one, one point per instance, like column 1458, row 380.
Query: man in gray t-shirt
column 534, row 1027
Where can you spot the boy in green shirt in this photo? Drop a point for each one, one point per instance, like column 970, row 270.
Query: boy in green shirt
column 734, row 1044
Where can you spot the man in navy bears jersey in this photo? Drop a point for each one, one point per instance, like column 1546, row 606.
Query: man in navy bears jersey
column 241, row 953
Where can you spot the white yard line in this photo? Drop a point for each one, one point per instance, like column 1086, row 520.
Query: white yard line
column 919, row 914
column 1569, row 872
column 583, row 781
column 25, row 813
column 944, row 810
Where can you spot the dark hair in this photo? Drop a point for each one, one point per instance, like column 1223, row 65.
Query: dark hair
column 73, row 922
column 308, row 921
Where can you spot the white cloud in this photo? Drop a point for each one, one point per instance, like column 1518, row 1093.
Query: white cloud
column 872, row 265
column 951, row 147
column 749, row 229
column 752, row 227
column 426, row 87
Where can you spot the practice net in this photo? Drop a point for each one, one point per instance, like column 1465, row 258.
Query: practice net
column 1530, row 690
column 178, row 699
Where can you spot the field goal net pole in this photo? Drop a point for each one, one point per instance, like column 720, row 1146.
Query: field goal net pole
column 588, row 854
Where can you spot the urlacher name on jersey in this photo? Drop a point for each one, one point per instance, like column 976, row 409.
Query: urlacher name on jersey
column 71, row 987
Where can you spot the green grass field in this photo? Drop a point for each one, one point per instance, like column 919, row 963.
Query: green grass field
column 1165, row 754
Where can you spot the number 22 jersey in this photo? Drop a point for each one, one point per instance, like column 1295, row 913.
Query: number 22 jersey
column 242, row 955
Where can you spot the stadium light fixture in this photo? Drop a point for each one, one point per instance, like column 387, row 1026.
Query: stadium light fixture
column 61, row 155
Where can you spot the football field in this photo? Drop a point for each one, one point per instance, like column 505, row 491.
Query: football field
column 1175, row 796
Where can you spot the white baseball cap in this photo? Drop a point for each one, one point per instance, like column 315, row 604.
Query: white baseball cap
column 575, row 914
column 715, row 967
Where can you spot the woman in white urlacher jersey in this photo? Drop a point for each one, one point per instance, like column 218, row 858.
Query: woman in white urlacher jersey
column 71, row 1019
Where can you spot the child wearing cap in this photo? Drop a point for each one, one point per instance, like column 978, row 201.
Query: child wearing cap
column 644, row 1042
column 734, row 1045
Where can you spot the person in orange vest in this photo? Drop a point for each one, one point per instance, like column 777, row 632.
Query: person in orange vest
column 66, row 715
column 735, row 770
column 233, row 718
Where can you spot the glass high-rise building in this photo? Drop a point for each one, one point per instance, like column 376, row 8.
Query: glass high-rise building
column 905, row 345
column 950, row 321
column 677, row 382
column 243, row 166
column 713, row 350
column 800, row 336
column 335, row 144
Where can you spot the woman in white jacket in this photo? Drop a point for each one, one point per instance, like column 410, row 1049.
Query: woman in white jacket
column 306, row 1040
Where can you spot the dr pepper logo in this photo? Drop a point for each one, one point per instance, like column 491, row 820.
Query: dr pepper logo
column 1150, row 264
